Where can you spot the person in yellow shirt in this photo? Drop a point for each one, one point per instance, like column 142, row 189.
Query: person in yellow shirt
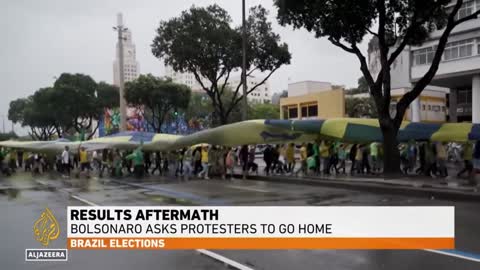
column 303, row 160
column 290, row 157
column 358, row 159
column 442, row 159
column 204, row 160
column 84, row 162
column 324, row 155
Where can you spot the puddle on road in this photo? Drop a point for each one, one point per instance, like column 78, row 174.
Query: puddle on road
column 314, row 199
column 167, row 200
column 11, row 193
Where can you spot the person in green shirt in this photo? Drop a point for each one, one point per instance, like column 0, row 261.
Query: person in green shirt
column 137, row 159
column 342, row 157
column 3, row 155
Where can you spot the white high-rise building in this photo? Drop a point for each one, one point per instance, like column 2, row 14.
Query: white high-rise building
column 131, row 68
column 261, row 94
column 186, row 78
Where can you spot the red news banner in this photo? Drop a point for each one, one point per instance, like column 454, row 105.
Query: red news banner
column 262, row 227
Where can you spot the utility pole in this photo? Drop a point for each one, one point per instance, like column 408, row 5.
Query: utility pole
column 123, row 104
column 244, row 63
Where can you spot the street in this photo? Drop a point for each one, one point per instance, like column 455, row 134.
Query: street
column 22, row 199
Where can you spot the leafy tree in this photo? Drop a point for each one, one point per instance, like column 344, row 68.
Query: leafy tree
column 199, row 106
column 362, row 85
column 264, row 111
column 71, row 105
column 79, row 101
column 35, row 112
column 203, row 42
column 74, row 94
column 199, row 109
column 361, row 107
column 108, row 96
column 157, row 97
column 16, row 109
column 394, row 25
column 361, row 88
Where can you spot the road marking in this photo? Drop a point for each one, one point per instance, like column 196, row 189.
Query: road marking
column 85, row 201
column 250, row 189
column 458, row 254
column 205, row 252
column 224, row 259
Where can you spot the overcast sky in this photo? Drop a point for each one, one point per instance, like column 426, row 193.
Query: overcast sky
column 41, row 39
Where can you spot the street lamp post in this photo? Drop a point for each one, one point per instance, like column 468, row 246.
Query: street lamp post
column 244, row 63
column 123, row 104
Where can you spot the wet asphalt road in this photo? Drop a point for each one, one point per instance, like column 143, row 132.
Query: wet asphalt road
column 20, row 207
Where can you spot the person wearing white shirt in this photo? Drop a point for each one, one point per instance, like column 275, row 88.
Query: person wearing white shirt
column 66, row 162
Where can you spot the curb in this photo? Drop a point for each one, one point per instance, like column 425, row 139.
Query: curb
column 423, row 191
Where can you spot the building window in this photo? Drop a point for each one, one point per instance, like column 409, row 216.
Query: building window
column 464, row 96
column 312, row 110
column 304, row 111
column 465, row 10
column 309, row 110
column 458, row 49
column 429, row 107
column 436, row 108
column 443, row 109
column 423, row 107
column 478, row 40
column 424, row 56
column 292, row 112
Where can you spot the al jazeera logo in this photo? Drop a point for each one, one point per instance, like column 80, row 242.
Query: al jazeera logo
column 45, row 230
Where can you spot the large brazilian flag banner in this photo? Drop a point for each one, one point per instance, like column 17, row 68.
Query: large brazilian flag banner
column 350, row 130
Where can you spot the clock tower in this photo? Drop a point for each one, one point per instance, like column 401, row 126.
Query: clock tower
column 131, row 68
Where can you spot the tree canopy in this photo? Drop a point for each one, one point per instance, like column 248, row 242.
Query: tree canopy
column 71, row 105
column 360, row 107
column 36, row 113
column 202, row 41
column 158, row 98
column 264, row 111
column 394, row 25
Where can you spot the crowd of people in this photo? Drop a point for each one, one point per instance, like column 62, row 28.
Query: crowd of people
column 202, row 161
column 324, row 158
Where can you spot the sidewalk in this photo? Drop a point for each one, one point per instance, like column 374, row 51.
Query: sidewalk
column 439, row 188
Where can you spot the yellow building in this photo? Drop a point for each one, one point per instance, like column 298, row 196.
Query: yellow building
column 432, row 104
column 312, row 100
